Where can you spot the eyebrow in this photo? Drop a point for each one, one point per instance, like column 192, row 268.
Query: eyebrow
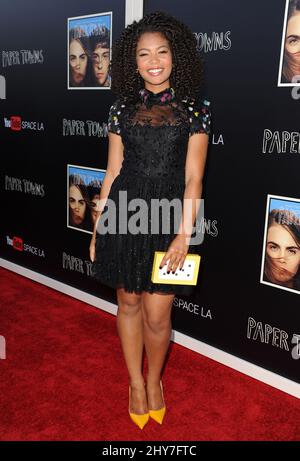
column 293, row 36
column 289, row 248
column 157, row 48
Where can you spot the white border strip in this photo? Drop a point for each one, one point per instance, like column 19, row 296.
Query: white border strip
column 134, row 10
column 238, row 364
column 59, row 286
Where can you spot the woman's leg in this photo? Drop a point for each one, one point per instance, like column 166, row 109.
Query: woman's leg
column 156, row 310
column 130, row 329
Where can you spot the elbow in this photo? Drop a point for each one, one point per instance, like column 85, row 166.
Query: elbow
column 111, row 174
column 194, row 181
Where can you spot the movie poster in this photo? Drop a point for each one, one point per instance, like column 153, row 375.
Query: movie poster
column 83, row 195
column 281, row 249
column 89, row 51
column 289, row 67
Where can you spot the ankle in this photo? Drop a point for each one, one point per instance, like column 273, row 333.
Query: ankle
column 137, row 383
column 153, row 381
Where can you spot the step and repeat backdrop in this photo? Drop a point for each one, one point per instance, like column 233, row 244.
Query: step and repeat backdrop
column 55, row 94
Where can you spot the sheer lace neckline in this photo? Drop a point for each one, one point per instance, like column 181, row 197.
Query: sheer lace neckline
column 163, row 97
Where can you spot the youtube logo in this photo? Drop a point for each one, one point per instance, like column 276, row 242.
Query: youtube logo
column 17, row 243
column 15, row 123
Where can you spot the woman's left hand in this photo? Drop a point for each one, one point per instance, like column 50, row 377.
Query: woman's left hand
column 176, row 253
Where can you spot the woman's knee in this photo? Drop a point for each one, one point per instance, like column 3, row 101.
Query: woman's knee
column 156, row 323
column 157, row 311
column 129, row 303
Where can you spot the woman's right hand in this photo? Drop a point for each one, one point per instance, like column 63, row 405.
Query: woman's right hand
column 92, row 248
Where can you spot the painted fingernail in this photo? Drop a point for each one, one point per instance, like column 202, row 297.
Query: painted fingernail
column 168, row 272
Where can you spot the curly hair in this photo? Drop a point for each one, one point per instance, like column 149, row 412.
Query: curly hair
column 187, row 74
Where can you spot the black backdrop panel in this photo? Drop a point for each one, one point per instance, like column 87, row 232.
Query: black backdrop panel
column 231, row 309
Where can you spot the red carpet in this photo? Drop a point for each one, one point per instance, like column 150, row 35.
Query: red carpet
column 64, row 379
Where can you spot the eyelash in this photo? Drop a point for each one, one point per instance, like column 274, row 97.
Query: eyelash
column 165, row 51
column 273, row 247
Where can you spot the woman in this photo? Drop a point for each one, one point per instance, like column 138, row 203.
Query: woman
column 79, row 63
column 79, row 215
column 291, row 60
column 158, row 138
column 282, row 261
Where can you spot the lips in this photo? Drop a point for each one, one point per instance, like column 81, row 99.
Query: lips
column 156, row 71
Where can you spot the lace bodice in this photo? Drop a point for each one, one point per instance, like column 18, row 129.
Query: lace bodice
column 155, row 132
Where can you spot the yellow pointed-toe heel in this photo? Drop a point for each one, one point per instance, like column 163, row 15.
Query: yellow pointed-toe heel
column 158, row 415
column 139, row 420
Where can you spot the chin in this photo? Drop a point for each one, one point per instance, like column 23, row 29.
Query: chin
column 283, row 279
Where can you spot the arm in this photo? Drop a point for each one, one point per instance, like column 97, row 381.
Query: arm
column 194, row 171
column 114, row 163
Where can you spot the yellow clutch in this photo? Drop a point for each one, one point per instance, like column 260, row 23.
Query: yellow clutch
column 187, row 276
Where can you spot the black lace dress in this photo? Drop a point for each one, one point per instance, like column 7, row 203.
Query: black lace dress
column 155, row 132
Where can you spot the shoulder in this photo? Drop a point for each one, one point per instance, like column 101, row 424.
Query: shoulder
column 115, row 115
column 116, row 109
column 193, row 104
column 118, row 104
column 199, row 112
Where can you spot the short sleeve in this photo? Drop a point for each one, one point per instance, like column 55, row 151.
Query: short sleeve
column 114, row 117
column 200, row 116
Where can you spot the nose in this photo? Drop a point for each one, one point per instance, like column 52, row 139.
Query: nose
column 154, row 59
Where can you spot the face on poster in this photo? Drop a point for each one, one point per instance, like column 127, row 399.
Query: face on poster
column 89, row 51
column 289, row 68
column 281, row 249
column 83, row 195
